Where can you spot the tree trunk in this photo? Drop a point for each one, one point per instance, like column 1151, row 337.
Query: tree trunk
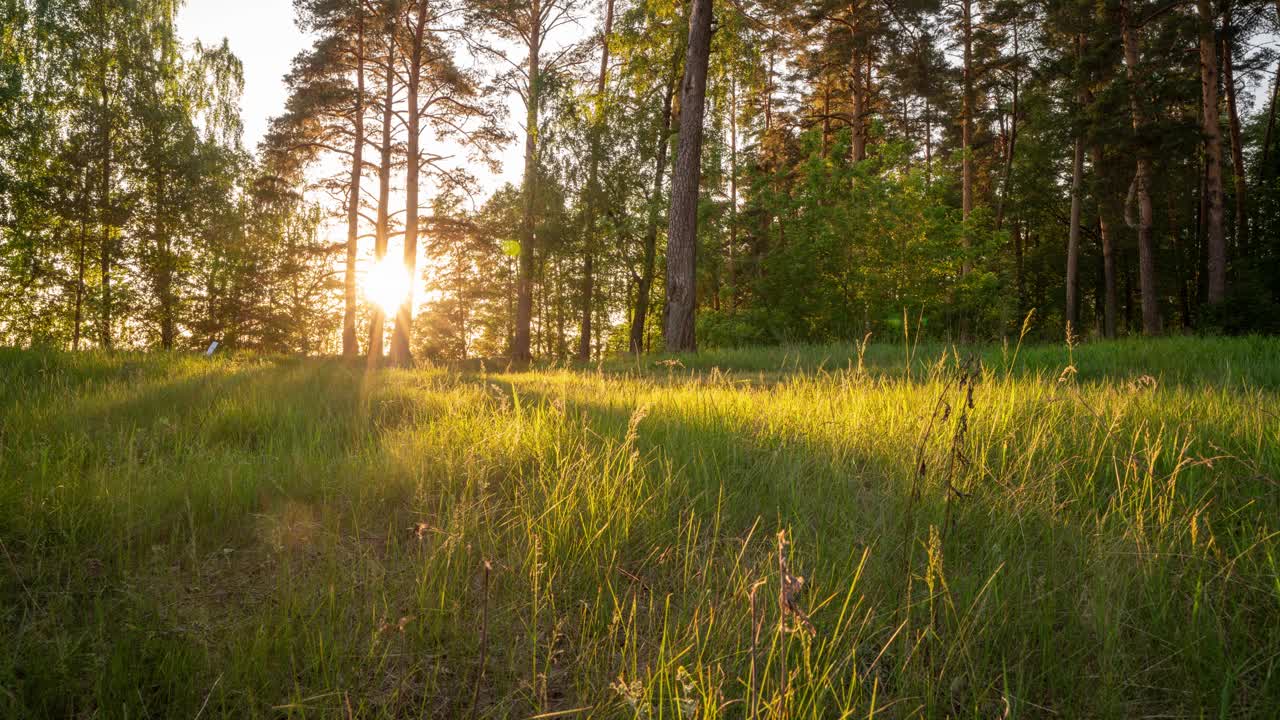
column 1019, row 271
column 682, row 234
column 1108, row 248
column 966, row 131
column 858, row 121
column 1073, row 239
column 733, row 186
column 826, row 113
column 1216, row 238
column 164, row 289
column 1237, row 144
column 1006, row 185
column 645, row 285
column 350, row 345
column 402, row 337
column 105, row 249
column 1077, row 206
column 768, row 97
column 1141, row 180
column 376, row 327
column 928, row 144
column 1271, row 116
column 520, row 349
column 78, row 319
column 1271, row 124
column 593, row 194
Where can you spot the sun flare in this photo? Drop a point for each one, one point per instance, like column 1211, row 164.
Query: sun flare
column 387, row 284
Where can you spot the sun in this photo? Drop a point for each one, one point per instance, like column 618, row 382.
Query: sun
column 387, row 284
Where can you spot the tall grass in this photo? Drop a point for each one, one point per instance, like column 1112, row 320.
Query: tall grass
column 732, row 536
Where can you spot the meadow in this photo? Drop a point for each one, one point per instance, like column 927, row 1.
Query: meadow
column 884, row 531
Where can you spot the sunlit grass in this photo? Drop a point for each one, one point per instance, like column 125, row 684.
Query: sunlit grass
column 242, row 537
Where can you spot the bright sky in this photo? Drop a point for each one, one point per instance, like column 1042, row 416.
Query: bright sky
column 263, row 35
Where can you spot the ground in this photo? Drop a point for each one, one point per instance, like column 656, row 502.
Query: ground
column 910, row 531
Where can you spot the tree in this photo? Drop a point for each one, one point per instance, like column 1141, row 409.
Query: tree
column 1077, row 210
column 661, row 141
column 449, row 101
column 966, row 124
column 592, row 196
column 1141, row 187
column 683, row 221
column 382, row 227
column 1212, row 151
column 350, row 345
column 325, row 114
column 530, row 23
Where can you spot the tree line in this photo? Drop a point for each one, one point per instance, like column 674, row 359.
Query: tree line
column 130, row 215
column 693, row 173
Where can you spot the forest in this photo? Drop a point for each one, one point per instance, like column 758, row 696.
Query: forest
column 640, row 360
column 693, row 176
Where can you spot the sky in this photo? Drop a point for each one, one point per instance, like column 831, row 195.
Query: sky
column 263, row 35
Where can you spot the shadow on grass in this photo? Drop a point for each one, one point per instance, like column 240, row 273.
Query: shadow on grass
column 622, row 542
column 1045, row 605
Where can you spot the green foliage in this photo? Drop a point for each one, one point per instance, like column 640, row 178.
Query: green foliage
column 1249, row 307
column 720, row 329
column 129, row 213
column 852, row 245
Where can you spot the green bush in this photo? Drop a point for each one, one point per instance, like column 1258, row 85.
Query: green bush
column 1249, row 308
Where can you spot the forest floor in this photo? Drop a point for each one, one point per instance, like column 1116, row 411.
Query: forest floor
column 1043, row 532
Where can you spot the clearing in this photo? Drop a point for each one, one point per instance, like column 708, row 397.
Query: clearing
column 1044, row 533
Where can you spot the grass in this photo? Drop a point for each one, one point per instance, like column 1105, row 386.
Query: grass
column 771, row 533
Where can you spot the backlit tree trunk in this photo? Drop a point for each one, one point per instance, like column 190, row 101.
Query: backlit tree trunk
column 78, row 318
column 105, row 248
column 520, row 350
column 377, row 326
column 593, row 193
column 732, row 264
column 350, row 345
column 402, row 337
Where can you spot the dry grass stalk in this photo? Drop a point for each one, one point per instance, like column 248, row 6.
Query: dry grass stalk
column 791, row 618
column 633, row 425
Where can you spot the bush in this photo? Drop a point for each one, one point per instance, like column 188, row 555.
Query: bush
column 719, row 329
column 1249, row 308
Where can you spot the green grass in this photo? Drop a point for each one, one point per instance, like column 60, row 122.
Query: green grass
column 252, row 537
